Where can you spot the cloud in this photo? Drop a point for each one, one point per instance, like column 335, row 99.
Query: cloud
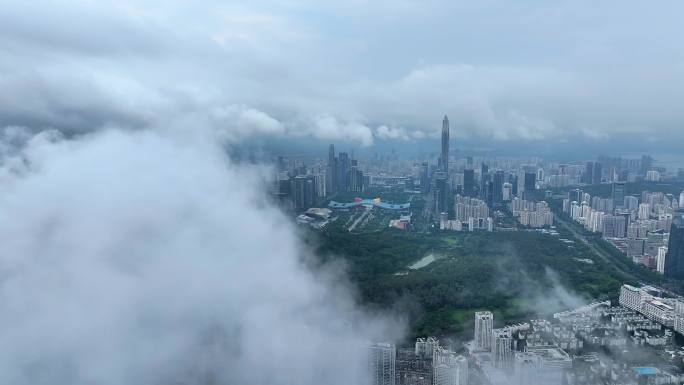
column 238, row 122
column 330, row 128
column 134, row 257
column 384, row 132
column 550, row 72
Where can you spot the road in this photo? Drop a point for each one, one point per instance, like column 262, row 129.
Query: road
column 600, row 253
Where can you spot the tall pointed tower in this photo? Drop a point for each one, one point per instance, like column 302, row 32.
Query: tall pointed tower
column 444, row 160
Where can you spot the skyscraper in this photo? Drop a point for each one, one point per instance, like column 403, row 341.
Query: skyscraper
column 674, row 259
column 440, row 192
column 424, row 178
column 530, row 184
column 498, row 187
column 646, row 164
column 484, row 179
column 484, row 322
column 589, row 173
column 444, row 160
column 618, row 194
column 343, row 167
column 303, row 190
column 382, row 363
column 331, row 171
column 597, row 173
column 468, row 182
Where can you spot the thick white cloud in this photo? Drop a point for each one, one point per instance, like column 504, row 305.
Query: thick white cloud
column 501, row 70
column 139, row 258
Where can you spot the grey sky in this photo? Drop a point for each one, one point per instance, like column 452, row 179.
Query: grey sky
column 530, row 70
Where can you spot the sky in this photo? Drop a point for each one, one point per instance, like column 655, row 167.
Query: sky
column 356, row 72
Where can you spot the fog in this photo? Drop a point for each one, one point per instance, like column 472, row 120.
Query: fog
column 147, row 258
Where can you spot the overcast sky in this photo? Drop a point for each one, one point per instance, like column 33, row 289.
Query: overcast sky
column 355, row 71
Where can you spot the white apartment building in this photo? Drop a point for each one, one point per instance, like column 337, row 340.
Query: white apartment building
column 484, row 323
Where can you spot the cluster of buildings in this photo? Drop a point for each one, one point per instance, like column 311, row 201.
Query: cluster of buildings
column 301, row 186
column 470, row 213
column 655, row 304
column 427, row 363
column 649, row 229
column 521, row 354
column 607, row 169
column 530, row 213
column 632, row 343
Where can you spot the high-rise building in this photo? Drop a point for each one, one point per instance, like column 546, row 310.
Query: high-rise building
column 631, row 203
column 498, row 187
column 644, row 211
column 530, row 185
column 484, row 323
column 674, row 259
column 331, row 171
column 484, row 180
column 614, row 226
column 382, row 363
column 343, row 166
column 355, row 178
column 424, row 178
column 619, row 190
column 575, row 195
column 425, row 347
column 597, row 173
column 502, row 352
column 681, row 200
column 646, row 164
column 469, row 182
column 303, row 191
column 444, row 159
column 660, row 259
column 588, row 173
column 440, row 192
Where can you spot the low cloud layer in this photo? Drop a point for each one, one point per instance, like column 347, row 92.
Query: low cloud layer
column 357, row 72
column 137, row 258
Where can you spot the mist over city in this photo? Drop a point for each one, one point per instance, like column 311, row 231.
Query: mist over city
column 357, row 193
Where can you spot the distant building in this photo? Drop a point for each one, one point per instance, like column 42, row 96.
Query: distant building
column 650, row 302
column 631, row 202
column 614, row 226
column 382, row 363
column 444, row 159
column 484, row 181
column 653, row 176
column 660, row 259
column 343, row 166
column 674, row 260
column 502, row 351
column 424, row 178
column 498, row 187
column 598, row 173
column 469, row 182
column 303, row 191
column 331, row 171
column 484, row 323
column 530, row 185
column 425, row 347
column 619, row 190
column 588, row 173
column 440, row 192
